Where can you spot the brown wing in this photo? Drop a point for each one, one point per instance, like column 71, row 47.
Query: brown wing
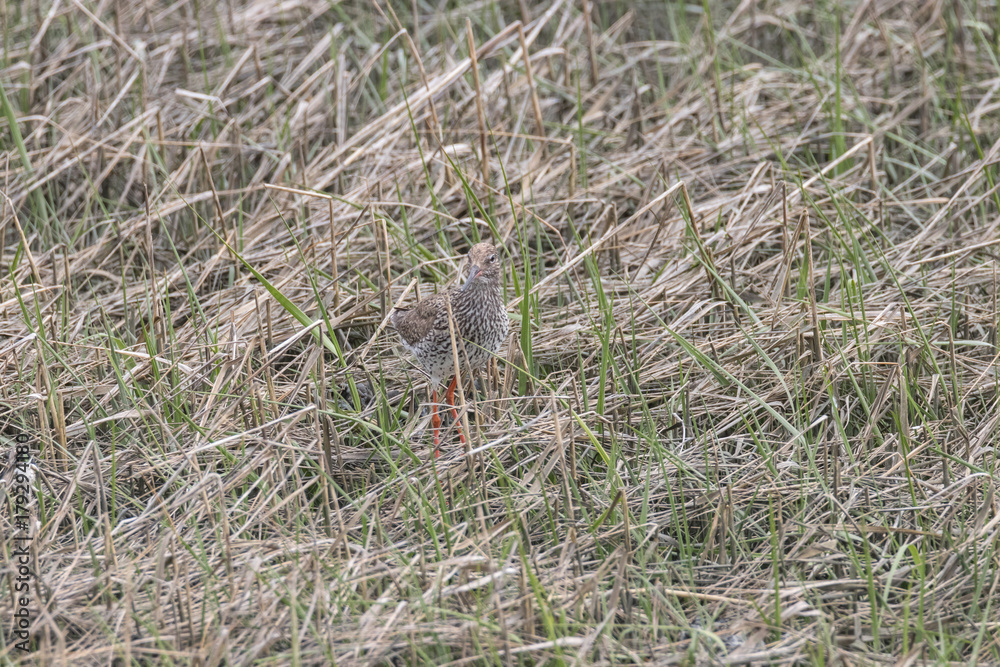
column 414, row 324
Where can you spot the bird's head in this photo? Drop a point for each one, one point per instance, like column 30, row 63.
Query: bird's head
column 485, row 265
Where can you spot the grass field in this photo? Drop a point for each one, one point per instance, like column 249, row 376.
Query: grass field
column 747, row 413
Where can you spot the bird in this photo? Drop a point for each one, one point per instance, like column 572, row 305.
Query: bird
column 479, row 319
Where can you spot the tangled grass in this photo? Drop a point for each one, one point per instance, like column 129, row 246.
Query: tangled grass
column 748, row 412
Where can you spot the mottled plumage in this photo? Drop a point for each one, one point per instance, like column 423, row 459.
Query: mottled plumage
column 479, row 319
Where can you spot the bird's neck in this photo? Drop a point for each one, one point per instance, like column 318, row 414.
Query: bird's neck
column 480, row 289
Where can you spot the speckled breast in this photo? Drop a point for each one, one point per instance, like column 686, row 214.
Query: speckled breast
column 483, row 325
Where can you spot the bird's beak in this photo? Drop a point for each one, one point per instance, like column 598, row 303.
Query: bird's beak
column 473, row 272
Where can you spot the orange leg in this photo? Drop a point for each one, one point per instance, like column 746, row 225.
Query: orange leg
column 436, row 424
column 450, row 397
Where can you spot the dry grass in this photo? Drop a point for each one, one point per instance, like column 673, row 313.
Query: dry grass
column 749, row 409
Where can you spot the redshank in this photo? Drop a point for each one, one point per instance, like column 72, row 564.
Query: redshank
column 479, row 318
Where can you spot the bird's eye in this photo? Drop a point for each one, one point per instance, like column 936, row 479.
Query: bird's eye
column 493, row 258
